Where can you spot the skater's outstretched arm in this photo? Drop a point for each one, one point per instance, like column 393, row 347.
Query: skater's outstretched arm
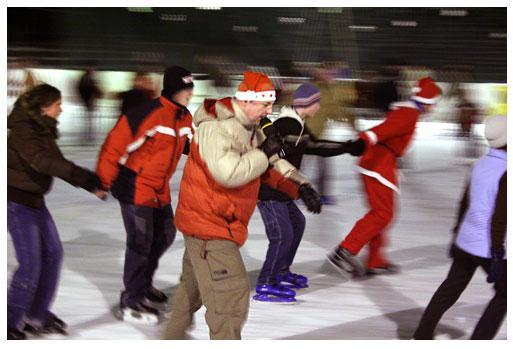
column 42, row 159
column 397, row 123
column 323, row 147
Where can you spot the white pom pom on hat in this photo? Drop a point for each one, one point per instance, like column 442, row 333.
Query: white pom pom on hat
column 496, row 131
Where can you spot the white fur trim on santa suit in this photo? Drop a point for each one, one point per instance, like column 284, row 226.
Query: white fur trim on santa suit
column 379, row 178
column 425, row 100
column 261, row 96
column 372, row 137
column 404, row 104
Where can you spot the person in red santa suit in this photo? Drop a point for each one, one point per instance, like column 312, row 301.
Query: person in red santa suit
column 379, row 148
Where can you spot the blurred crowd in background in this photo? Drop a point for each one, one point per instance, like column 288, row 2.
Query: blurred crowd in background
column 361, row 59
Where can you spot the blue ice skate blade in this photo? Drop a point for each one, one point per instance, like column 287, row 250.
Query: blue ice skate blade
column 262, row 298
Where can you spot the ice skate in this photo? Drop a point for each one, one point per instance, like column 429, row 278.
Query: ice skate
column 139, row 313
column 293, row 280
column 277, row 294
column 389, row 269
column 54, row 328
column 346, row 263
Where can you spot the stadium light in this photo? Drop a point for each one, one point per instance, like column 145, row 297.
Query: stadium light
column 403, row 23
column 363, row 28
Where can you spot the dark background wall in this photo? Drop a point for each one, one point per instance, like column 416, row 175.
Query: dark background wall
column 119, row 39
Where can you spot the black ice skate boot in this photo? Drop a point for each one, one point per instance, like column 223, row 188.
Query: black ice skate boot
column 388, row 269
column 139, row 313
column 15, row 334
column 52, row 327
column 156, row 296
column 346, row 263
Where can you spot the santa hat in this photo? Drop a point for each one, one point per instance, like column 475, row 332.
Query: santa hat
column 496, row 131
column 426, row 91
column 256, row 87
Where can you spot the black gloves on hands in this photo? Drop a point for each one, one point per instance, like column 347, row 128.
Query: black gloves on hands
column 272, row 145
column 86, row 179
column 311, row 198
column 496, row 266
column 355, row 148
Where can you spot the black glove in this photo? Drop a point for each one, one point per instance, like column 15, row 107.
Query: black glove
column 310, row 197
column 272, row 145
column 355, row 148
column 86, row 179
column 496, row 266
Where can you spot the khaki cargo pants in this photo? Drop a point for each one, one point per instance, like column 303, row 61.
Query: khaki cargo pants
column 213, row 274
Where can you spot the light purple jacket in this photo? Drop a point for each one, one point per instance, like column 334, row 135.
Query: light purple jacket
column 474, row 234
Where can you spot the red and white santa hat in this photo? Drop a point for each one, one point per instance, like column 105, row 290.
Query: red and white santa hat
column 426, row 91
column 256, row 87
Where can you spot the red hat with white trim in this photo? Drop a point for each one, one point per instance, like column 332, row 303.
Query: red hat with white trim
column 426, row 91
column 256, row 87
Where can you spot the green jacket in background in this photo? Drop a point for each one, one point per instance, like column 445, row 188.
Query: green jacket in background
column 335, row 97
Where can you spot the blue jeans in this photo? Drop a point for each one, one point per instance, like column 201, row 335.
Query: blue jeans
column 150, row 232
column 39, row 254
column 284, row 227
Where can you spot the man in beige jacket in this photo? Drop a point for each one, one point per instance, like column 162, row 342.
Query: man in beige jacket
column 229, row 156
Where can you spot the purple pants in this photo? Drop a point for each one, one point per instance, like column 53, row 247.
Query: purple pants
column 39, row 254
column 284, row 227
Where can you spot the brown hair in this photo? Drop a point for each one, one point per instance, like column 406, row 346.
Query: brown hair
column 38, row 97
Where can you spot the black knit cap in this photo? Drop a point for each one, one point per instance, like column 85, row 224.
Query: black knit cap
column 176, row 79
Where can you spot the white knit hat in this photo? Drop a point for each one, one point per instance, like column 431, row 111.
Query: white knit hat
column 496, row 131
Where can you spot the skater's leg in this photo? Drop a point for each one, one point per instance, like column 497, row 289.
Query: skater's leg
column 279, row 231
column 297, row 219
column 164, row 232
column 23, row 225
column 185, row 303
column 223, row 285
column 495, row 312
column 138, row 221
column 460, row 274
column 376, row 256
column 52, row 254
column 381, row 201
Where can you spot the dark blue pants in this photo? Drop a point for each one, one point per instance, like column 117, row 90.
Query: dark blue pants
column 150, row 232
column 39, row 254
column 284, row 227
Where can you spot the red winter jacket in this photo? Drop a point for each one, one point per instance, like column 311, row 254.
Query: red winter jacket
column 388, row 141
column 142, row 151
column 221, row 178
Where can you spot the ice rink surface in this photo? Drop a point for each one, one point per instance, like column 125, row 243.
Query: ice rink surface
column 385, row 307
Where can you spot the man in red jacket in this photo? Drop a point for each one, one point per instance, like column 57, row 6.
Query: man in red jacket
column 136, row 162
column 381, row 146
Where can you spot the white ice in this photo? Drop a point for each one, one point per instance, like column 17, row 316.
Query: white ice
column 386, row 307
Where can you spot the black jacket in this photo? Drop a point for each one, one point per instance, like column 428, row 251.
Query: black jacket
column 33, row 159
column 298, row 140
column 133, row 98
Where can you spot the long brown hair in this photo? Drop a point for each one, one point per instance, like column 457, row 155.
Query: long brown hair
column 38, row 97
